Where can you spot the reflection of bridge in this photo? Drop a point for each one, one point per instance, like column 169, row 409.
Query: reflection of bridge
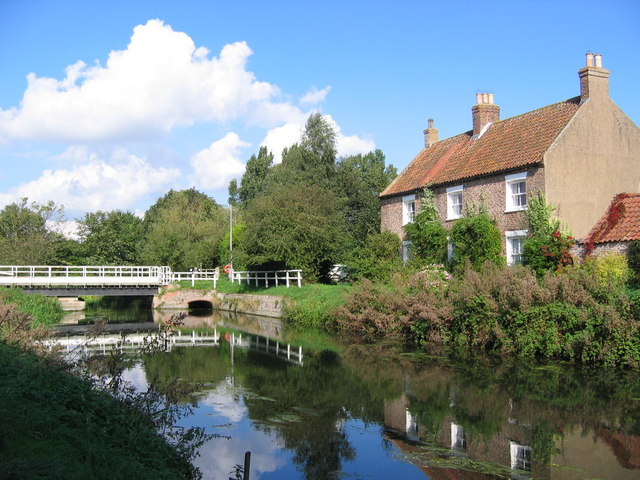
column 81, row 345
column 60, row 281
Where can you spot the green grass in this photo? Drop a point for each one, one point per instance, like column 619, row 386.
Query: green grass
column 45, row 311
column 54, row 425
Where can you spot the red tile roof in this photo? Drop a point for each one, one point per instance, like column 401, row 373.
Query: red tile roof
column 621, row 221
column 515, row 142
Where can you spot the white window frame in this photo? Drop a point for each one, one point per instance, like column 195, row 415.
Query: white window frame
column 510, row 236
column 520, row 456
column 510, row 181
column 406, row 251
column 452, row 194
column 458, row 437
column 408, row 209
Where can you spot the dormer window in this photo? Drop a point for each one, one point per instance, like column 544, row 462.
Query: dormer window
column 408, row 209
column 516, row 192
column 454, row 202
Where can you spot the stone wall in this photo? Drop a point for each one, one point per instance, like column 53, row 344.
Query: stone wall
column 265, row 305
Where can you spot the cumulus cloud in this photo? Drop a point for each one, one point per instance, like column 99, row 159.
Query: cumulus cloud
column 283, row 136
column 215, row 166
column 315, row 96
column 159, row 82
column 98, row 184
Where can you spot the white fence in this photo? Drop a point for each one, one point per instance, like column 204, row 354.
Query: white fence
column 194, row 275
column 83, row 276
column 268, row 278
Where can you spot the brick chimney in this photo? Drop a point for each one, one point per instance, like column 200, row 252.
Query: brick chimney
column 430, row 135
column 594, row 80
column 484, row 112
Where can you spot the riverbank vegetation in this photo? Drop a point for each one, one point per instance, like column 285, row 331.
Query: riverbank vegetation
column 59, row 421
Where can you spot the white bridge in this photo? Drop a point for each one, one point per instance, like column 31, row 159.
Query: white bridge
column 53, row 280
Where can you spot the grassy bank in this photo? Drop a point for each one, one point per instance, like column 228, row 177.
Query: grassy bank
column 44, row 311
column 55, row 426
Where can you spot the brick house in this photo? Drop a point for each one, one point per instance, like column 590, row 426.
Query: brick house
column 580, row 152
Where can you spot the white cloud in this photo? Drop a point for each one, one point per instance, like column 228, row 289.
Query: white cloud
column 315, row 96
column 215, row 166
column 97, row 184
column 349, row 144
column 159, row 82
column 280, row 137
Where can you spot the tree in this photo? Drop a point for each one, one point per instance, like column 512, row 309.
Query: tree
column 110, row 238
column 183, row 230
column 254, row 180
column 428, row 237
column 360, row 179
column 27, row 236
column 296, row 226
column 476, row 238
column 377, row 259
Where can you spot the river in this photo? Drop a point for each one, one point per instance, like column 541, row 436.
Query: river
column 383, row 411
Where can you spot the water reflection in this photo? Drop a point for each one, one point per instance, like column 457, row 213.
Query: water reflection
column 379, row 412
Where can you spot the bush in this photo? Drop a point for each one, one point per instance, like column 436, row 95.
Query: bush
column 427, row 235
column 378, row 259
column 610, row 269
column 476, row 238
column 548, row 252
column 633, row 259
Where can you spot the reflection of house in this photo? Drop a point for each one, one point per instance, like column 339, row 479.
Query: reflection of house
column 579, row 152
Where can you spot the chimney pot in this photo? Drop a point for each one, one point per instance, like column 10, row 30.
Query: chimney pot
column 491, row 98
column 589, row 59
column 599, row 60
column 478, row 98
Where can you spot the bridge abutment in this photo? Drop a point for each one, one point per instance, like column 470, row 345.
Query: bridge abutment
column 71, row 304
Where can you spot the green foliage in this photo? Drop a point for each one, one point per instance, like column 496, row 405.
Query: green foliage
column 428, row 237
column 239, row 254
column 26, row 234
column 546, row 253
column 504, row 310
column 539, row 217
column 633, row 259
column 254, row 180
column 476, row 239
column 610, row 268
column 294, row 226
column 43, row 311
column 183, row 230
column 378, row 259
column 110, row 238
column 57, row 426
column 360, row 179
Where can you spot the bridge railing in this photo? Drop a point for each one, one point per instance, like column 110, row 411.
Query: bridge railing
column 85, row 275
column 267, row 278
column 195, row 274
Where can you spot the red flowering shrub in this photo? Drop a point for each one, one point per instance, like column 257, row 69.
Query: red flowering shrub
column 548, row 252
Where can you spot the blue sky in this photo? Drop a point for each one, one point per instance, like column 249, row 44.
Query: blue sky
column 108, row 105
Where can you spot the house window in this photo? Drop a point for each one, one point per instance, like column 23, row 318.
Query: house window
column 516, row 190
column 520, row 456
column 454, row 202
column 406, row 251
column 515, row 246
column 408, row 209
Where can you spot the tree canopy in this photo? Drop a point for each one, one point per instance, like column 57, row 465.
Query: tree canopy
column 110, row 238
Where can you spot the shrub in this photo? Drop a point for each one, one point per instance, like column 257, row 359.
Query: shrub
column 610, row 269
column 476, row 238
column 377, row 259
column 427, row 235
column 548, row 252
column 633, row 259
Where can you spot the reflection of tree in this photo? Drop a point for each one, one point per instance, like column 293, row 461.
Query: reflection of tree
column 307, row 407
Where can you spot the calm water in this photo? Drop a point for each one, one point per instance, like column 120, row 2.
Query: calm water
column 377, row 412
